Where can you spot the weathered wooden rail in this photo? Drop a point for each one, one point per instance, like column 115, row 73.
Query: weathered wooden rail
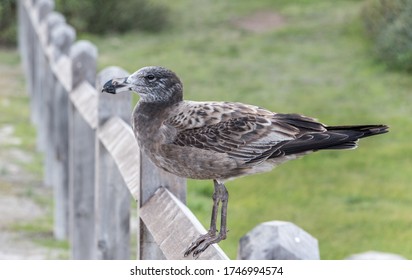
column 92, row 160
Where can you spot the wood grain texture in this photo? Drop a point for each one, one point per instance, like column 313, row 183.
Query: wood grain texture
column 118, row 139
column 174, row 227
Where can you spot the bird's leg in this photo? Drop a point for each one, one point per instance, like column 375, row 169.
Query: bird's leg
column 224, row 199
column 212, row 230
column 215, row 209
column 220, row 194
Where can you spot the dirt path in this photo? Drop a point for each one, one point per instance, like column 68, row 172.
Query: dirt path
column 25, row 205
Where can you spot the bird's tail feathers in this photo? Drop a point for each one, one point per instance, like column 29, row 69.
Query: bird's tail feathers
column 335, row 138
column 354, row 133
column 365, row 130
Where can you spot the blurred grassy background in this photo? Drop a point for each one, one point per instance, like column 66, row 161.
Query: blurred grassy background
column 317, row 61
column 26, row 222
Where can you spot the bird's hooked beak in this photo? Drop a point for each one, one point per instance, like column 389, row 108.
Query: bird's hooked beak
column 116, row 85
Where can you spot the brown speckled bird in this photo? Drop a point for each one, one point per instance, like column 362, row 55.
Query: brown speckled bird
column 221, row 140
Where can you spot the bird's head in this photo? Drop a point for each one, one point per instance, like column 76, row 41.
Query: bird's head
column 152, row 83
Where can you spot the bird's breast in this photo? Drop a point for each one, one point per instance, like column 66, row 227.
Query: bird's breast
column 191, row 162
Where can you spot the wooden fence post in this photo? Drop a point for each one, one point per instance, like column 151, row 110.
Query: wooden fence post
column 57, row 158
column 31, row 47
column 22, row 19
column 82, row 151
column 152, row 178
column 53, row 51
column 44, row 7
column 278, row 240
column 112, row 195
column 57, row 33
column 31, row 59
column 53, row 19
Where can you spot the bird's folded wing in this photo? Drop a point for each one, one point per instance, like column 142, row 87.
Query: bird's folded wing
column 247, row 133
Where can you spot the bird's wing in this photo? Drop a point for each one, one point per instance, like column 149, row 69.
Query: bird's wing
column 247, row 133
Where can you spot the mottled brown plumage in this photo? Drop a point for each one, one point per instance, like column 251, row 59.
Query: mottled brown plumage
column 221, row 140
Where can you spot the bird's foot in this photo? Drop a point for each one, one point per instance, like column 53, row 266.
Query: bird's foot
column 195, row 244
column 203, row 242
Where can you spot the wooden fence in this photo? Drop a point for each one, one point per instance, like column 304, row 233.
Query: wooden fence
column 95, row 166
column 92, row 160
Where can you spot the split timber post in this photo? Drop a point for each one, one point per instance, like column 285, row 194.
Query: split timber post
column 112, row 223
column 83, row 57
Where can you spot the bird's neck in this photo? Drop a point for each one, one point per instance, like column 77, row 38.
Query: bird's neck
column 147, row 118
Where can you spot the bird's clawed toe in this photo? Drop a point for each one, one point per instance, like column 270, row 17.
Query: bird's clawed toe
column 203, row 242
column 196, row 244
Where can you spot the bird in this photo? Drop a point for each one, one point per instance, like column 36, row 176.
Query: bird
column 221, row 141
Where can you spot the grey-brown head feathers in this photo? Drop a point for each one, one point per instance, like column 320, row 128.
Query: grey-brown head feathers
column 156, row 84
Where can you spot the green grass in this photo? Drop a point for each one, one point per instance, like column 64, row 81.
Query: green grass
column 40, row 231
column 318, row 64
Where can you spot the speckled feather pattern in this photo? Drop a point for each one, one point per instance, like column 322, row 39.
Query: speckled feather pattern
column 246, row 133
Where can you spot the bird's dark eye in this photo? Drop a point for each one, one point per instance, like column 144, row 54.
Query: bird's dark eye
column 150, row 77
